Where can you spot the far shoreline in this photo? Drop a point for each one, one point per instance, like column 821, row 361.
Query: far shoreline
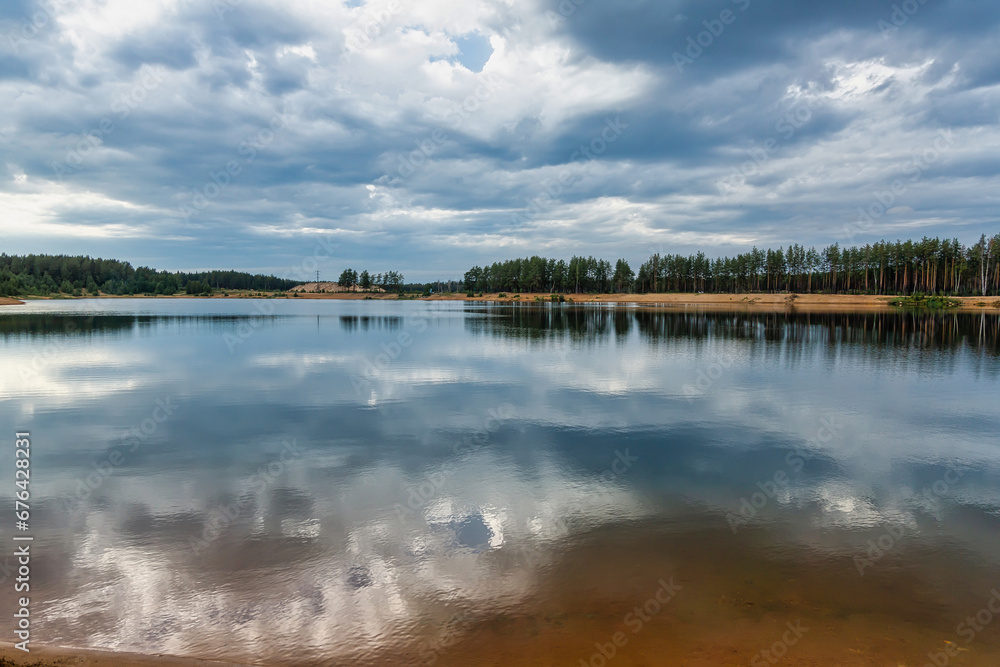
column 713, row 301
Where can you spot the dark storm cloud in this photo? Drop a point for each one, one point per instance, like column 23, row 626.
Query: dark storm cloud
column 759, row 32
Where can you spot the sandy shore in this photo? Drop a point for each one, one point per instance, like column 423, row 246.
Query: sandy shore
column 816, row 302
column 764, row 301
column 6, row 301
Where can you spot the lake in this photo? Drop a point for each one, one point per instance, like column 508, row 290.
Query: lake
column 449, row 483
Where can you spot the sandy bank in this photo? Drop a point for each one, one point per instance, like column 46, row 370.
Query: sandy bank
column 720, row 299
column 714, row 300
column 810, row 302
column 817, row 302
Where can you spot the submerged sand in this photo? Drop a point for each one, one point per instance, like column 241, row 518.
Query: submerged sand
column 57, row 656
column 732, row 603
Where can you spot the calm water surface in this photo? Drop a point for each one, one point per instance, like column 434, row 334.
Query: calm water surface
column 367, row 483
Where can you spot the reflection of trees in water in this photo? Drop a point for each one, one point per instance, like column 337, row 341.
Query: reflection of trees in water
column 94, row 325
column 371, row 322
column 70, row 325
column 885, row 329
column 889, row 329
column 581, row 324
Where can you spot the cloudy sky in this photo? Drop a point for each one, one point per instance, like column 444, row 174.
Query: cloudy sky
column 428, row 136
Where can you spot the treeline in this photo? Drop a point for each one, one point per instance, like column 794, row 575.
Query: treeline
column 22, row 275
column 538, row 274
column 390, row 281
column 437, row 286
column 929, row 266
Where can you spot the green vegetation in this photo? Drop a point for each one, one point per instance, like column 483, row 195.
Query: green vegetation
column 390, row 281
column 42, row 275
column 919, row 300
column 931, row 265
column 538, row 274
column 349, row 278
column 196, row 287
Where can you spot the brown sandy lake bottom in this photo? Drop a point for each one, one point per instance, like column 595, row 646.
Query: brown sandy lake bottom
column 359, row 483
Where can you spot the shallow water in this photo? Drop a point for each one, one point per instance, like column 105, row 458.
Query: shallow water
column 336, row 482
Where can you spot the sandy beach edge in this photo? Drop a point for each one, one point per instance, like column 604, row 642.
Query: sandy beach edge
column 713, row 301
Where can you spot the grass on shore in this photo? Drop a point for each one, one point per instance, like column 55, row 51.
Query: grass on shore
column 922, row 301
